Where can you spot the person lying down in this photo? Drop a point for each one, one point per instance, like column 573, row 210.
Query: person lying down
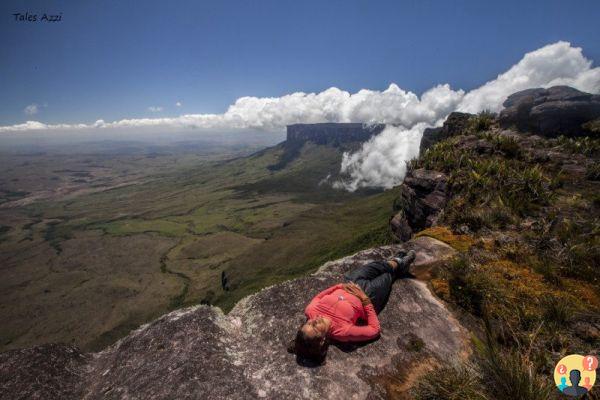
column 332, row 315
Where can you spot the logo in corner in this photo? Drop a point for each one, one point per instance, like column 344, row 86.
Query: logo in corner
column 575, row 375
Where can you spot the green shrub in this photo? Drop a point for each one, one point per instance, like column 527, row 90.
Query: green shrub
column 467, row 288
column 507, row 145
column 550, row 271
column 526, row 188
column 557, row 312
column 443, row 156
column 467, row 215
column 498, row 215
column 579, row 241
column 513, row 184
column 481, row 122
column 582, row 145
column 592, row 172
column 510, row 375
column 592, row 126
column 455, row 382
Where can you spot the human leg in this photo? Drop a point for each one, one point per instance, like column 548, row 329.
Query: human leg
column 379, row 290
column 369, row 271
column 375, row 279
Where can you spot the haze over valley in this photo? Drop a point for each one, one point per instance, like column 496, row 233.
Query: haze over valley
column 99, row 237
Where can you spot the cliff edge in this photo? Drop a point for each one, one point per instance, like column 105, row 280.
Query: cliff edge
column 200, row 353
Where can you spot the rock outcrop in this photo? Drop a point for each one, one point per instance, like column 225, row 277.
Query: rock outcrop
column 559, row 110
column 200, row 353
column 423, row 196
column 455, row 124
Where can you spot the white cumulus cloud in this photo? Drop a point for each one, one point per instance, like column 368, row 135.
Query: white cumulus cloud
column 554, row 64
column 178, row 104
column 380, row 162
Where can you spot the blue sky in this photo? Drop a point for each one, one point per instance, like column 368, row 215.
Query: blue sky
column 114, row 59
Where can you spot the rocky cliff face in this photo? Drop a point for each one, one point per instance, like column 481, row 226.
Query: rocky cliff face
column 455, row 124
column 342, row 135
column 200, row 353
column 332, row 133
column 422, row 198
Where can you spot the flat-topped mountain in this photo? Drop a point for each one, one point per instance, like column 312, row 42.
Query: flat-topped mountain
column 339, row 137
column 332, row 132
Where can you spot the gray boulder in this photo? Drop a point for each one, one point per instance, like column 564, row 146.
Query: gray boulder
column 200, row 353
column 559, row 110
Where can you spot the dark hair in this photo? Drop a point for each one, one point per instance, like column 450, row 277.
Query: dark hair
column 313, row 349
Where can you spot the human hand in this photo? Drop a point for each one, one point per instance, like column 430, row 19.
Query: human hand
column 355, row 290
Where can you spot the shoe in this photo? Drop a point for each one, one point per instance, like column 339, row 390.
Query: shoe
column 410, row 257
column 401, row 253
column 404, row 263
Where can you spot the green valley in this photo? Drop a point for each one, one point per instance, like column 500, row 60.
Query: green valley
column 144, row 235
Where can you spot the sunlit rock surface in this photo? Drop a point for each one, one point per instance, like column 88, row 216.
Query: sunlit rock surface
column 200, row 353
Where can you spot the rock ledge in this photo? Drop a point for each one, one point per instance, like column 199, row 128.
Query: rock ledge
column 200, row 353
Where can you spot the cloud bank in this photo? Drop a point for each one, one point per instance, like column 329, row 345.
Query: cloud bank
column 381, row 161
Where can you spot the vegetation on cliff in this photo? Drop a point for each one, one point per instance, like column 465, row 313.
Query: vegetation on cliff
column 524, row 213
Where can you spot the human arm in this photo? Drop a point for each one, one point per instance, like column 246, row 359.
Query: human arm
column 319, row 296
column 356, row 333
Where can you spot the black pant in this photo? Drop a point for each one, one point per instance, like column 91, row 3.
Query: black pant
column 376, row 280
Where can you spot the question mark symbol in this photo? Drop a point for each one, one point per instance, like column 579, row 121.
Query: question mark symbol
column 562, row 369
column 590, row 363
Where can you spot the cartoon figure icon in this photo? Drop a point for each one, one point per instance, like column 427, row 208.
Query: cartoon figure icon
column 575, row 389
column 587, row 384
column 575, row 374
column 563, row 383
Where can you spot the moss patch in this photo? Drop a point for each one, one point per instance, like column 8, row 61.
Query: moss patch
column 460, row 243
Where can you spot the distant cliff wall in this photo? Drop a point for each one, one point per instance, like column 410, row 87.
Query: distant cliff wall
column 332, row 133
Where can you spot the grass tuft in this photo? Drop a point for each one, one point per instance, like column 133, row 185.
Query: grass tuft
column 455, row 382
column 481, row 122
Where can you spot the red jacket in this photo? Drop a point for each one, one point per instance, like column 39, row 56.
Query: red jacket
column 344, row 310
